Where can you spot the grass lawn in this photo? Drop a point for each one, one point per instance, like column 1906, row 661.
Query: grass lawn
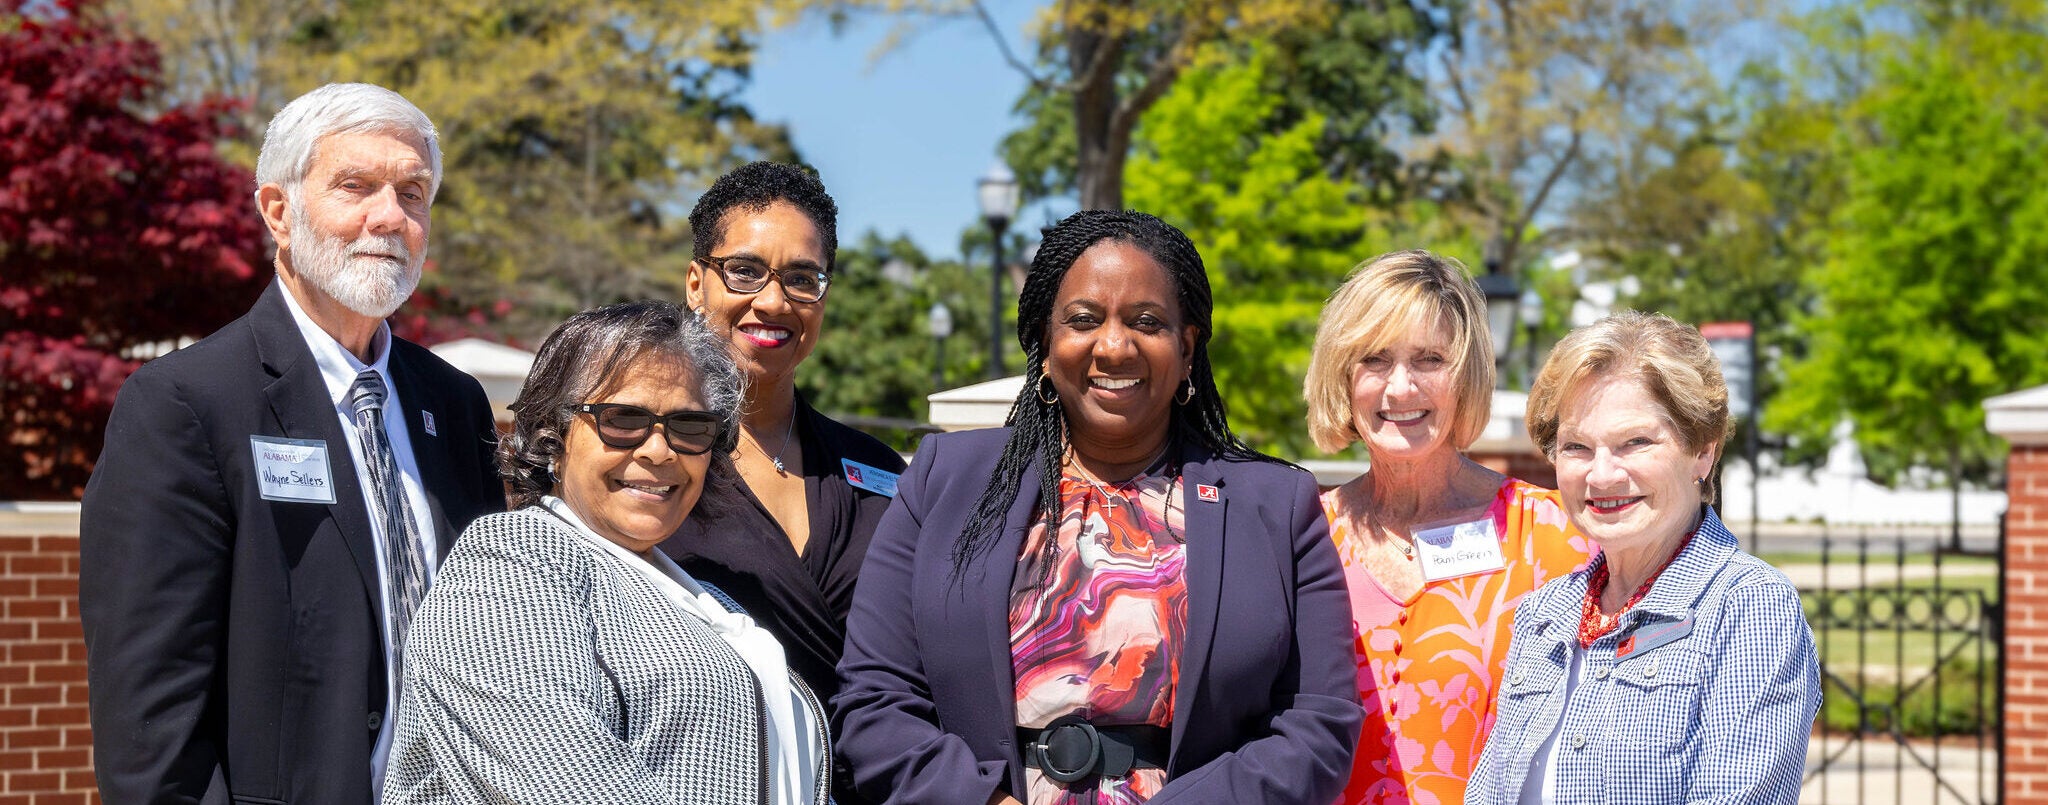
column 1884, row 642
column 1892, row 658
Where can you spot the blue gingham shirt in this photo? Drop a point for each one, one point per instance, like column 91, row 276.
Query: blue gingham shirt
column 1719, row 714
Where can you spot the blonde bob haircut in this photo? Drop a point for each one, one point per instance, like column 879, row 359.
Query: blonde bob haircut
column 1671, row 361
column 1387, row 298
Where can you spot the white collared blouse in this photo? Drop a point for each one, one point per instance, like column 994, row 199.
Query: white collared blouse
column 1706, row 692
column 543, row 669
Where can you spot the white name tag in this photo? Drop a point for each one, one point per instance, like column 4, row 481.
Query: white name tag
column 861, row 476
column 293, row 470
column 1458, row 549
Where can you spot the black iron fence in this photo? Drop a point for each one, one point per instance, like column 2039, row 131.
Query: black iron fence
column 1909, row 637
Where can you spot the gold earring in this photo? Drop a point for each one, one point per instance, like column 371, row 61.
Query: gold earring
column 1045, row 383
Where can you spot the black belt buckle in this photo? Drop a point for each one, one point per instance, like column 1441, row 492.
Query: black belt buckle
column 1069, row 750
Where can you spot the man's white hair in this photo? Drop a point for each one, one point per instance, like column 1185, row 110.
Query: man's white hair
column 290, row 142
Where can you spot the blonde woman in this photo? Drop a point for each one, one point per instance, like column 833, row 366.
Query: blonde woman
column 1437, row 549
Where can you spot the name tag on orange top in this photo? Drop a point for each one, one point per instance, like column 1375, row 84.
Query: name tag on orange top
column 1458, row 549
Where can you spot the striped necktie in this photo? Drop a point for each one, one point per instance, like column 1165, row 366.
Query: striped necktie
column 405, row 568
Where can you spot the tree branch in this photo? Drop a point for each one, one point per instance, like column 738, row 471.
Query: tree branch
column 1003, row 44
column 1550, row 179
column 1466, row 113
column 1158, row 80
column 1101, row 63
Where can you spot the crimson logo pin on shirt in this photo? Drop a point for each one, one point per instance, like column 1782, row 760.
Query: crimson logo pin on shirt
column 1208, row 493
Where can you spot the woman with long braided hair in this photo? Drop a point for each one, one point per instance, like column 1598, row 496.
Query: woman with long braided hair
column 1112, row 600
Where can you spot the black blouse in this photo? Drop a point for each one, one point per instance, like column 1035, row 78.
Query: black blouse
column 803, row 600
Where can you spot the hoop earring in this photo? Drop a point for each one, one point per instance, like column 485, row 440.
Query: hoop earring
column 1045, row 383
column 1187, row 391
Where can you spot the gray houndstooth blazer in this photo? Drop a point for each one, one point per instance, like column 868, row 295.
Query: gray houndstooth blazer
column 541, row 669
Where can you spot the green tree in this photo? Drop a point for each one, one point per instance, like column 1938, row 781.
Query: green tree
column 1934, row 291
column 1276, row 232
column 1104, row 63
column 877, row 359
column 574, row 134
column 1354, row 63
column 1709, row 231
column 1533, row 88
column 220, row 48
column 1721, row 206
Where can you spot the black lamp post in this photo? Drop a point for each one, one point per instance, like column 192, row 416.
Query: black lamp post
column 940, row 322
column 998, row 194
column 1501, row 299
column 1532, row 318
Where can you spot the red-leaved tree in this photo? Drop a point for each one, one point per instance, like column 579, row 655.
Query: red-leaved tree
column 119, row 228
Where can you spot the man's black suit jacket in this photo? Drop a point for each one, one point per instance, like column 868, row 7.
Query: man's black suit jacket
column 234, row 644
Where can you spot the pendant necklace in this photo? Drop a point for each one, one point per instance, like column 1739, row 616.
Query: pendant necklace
column 777, row 458
column 1107, row 501
column 1089, row 478
column 1086, row 478
column 1407, row 546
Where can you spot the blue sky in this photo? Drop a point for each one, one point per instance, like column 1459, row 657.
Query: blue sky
column 899, row 141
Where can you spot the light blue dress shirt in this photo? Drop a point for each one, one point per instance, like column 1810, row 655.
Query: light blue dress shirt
column 1705, row 693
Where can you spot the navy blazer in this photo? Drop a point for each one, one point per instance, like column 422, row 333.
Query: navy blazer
column 1267, row 705
column 234, row 645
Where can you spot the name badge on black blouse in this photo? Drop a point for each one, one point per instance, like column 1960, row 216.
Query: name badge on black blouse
column 873, row 479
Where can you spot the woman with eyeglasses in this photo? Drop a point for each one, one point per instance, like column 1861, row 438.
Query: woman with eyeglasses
column 559, row 656
column 788, row 540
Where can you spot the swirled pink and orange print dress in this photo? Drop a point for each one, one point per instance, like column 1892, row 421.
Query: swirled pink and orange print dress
column 1096, row 625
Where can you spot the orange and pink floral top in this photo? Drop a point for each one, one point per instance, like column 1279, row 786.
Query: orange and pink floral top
column 1427, row 666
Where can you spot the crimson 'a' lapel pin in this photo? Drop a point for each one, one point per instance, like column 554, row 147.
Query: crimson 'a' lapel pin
column 1208, row 493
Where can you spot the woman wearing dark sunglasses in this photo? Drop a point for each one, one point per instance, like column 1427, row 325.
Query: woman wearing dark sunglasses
column 559, row 656
column 787, row 541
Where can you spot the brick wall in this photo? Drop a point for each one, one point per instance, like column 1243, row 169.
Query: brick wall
column 45, row 741
column 2026, row 625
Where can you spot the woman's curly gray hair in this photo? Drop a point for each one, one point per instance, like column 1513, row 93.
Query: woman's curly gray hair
column 589, row 356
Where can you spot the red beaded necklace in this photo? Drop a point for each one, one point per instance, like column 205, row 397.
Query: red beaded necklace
column 1594, row 624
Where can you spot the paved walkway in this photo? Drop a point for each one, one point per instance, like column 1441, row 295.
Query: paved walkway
column 1889, row 773
column 1846, row 576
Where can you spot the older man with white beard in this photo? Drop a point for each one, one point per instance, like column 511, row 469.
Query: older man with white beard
column 273, row 500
